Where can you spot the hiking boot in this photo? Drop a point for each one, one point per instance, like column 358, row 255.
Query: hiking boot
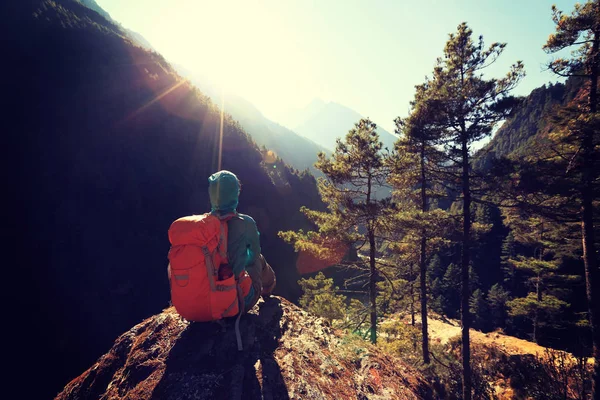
column 266, row 296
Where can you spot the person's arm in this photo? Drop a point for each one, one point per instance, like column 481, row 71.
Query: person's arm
column 253, row 265
column 253, row 237
column 244, row 243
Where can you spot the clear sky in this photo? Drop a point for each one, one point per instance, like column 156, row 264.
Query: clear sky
column 367, row 55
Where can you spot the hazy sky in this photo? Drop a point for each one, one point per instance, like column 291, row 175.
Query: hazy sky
column 367, row 55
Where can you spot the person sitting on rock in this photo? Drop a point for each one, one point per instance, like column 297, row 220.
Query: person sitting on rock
column 243, row 238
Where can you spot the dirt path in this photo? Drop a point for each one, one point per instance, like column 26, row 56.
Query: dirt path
column 442, row 331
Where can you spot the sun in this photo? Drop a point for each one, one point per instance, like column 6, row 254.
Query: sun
column 241, row 48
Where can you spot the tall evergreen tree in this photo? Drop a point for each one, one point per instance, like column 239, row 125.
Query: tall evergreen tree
column 478, row 307
column 434, row 269
column 497, row 301
column 508, row 253
column 542, row 238
column 435, row 273
column 451, row 290
column 582, row 29
column 414, row 157
column 353, row 174
column 467, row 107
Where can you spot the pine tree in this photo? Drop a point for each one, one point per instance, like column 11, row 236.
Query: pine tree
column 474, row 283
column 451, row 290
column 436, row 298
column 414, row 158
column 434, row 269
column 508, row 253
column 320, row 297
column 412, row 279
column 478, row 308
column 435, row 273
column 542, row 237
column 582, row 28
column 536, row 305
column 397, row 290
column 353, row 173
column 497, row 301
column 468, row 107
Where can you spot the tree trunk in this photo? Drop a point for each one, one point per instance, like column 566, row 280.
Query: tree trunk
column 590, row 258
column 373, row 271
column 538, row 293
column 465, row 318
column 591, row 279
column 423, row 266
column 412, row 295
column 373, row 287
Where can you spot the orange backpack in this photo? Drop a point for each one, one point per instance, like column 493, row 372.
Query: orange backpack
column 200, row 290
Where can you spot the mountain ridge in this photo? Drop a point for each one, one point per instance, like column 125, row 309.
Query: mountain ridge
column 530, row 121
column 324, row 122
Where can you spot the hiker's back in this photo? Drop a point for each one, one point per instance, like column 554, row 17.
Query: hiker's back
column 198, row 252
column 211, row 252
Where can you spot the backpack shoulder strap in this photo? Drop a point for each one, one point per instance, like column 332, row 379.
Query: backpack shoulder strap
column 222, row 246
column 223, row 236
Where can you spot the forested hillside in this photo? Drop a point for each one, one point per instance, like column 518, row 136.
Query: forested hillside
column 533, row 118
column 528, row 135
column 108, row 145
column 502, row 239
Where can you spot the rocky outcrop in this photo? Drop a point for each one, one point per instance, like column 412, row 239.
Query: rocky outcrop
column 288, row 354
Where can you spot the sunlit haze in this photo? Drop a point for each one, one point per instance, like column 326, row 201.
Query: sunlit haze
column 368, row 56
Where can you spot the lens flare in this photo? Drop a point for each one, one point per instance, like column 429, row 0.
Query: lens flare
column 221, row 129
column 269, row 157
column 155, row 99
column 308, row 262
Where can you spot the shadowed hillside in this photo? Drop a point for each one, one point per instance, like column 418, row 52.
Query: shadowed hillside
column 108, row 145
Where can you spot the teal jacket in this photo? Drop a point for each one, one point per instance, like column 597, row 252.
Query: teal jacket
column 243, row 244
column 243, row 238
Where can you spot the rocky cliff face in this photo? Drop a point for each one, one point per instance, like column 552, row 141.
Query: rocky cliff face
column 288, row 354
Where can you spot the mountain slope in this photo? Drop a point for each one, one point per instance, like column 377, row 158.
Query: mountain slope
column 531, row 119
column 296, row 117
column 108, row 145
column 288, row 354
column 134, row 36
column 297, row 151
column 324, row 122
column 92, row 5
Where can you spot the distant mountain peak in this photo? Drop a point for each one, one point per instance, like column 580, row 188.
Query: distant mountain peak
column 317, row 101
column 324, row 122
